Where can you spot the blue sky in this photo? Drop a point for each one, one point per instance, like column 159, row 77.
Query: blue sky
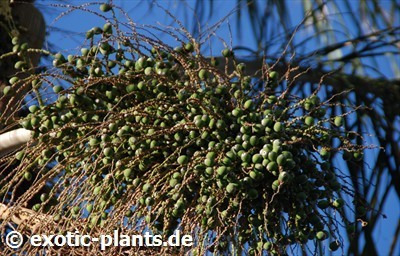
column 77, row 24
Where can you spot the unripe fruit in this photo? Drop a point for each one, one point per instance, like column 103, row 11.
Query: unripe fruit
column 325, row 154
column 189, row 47
column 272, row 99
column 272, row 156
column 248, row 104
column 273, row 75
column 335, row 185
column 278, row 127
column 75, row 210
column 245, row 157
column 183, row 160
column 276, row 184
column 89, row 208
column 105, row 7
column 26, row 124
column 97, row 190
column 338, row 203
column 89, row 34
column 241, row 67
column 35, row 121
column 109, row 152
column 272, row 166
column 57, row 89
column 44, row 197
column 281, row 160
column 283, row 176
column 33, row 108
column 227, row 53
column 237, row 112
column 255, row 175
column 113, row 127
column 338, row 121
column 214, row 62
column 28, row 175
column 47, row 153
column 19, row 155
column 358, row 156
column 20, row 64
column 128, row 173
column 15, row 40
column 252, row 193
column 59, row 56
column 267, row 246
column 173, row 182
column 232, row 188
column 351, row 135
column 254, row 140
column 147, row 187
column 148, row 71
column 24, row 46
column 16, row 48
column 36, row 207
column 97, row 31
column 13, row 80
column 176, row 49
column 308, row 105
column 267, row 122
column 211, row 155
column 309, row 120
column 333, row 246
column 149, row 201
column 222, row 170
column 203, row 74
column 107, row 28
column 323, row 204
column 321, row 235
column 257, row 158
column 347, row 155
column 84, row 51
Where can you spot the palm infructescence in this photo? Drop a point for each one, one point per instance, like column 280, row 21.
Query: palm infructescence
column 146, row 135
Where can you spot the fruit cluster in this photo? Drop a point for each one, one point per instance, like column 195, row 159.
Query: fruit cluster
column 169, row 140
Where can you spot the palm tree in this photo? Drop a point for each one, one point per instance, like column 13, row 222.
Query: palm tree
column 350, row 43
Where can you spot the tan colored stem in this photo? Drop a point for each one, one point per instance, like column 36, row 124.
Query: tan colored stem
column 11, row 140
column 23, row 216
